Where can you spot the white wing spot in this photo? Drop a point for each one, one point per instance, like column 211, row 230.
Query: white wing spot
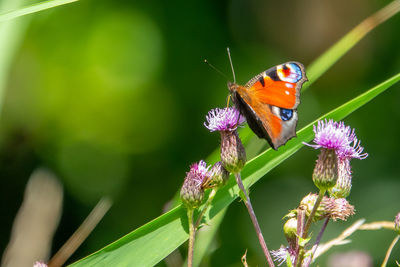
column 287, row 92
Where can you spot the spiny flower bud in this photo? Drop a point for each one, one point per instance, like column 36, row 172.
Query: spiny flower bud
column 340, row 210
column 307, row 204
column 343, row 183
column 192, row 192
column 326, row 171
column 233, row 154
column 329, row 207
column 397, row 223
column 218, row 176
column 290, row 231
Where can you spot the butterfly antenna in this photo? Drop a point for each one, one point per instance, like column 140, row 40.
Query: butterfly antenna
column 214, row 68
column 230, row 61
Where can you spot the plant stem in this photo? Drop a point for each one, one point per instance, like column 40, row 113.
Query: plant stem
column 254, row 220
column 390, row 250
column 301, row 215
column 308, row 260
column 209, row 200
column 340, row 240
column 313, row 211
column 191, row 237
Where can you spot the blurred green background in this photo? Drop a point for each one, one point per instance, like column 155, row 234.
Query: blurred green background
column 112, row 96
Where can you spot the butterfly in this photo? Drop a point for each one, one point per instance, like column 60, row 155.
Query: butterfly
column 269, row 102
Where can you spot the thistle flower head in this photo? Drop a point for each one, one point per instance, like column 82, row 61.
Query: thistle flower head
column 192, row 192
column 40, row 264
column 397, row 223
column 340, row 209
column 334, row 208
column 339, row 137
column 218, row 176
column 282, row 254
column 227, row 119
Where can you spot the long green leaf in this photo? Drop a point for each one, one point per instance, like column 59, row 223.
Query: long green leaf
column 152, row 242
column 33, row 9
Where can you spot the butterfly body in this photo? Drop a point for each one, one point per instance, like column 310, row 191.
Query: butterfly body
column 269, row 102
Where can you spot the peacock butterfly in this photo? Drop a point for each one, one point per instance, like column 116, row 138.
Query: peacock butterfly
column 269, row 101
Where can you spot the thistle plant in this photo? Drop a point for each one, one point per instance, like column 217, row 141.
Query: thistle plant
column 192, row 195
column 233, row 157
column 338, row 144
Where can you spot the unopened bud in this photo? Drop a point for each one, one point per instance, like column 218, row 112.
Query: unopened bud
column 290, row 231
column 218, row 176
column 397, row 223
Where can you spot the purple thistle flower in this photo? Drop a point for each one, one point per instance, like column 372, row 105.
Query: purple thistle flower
column 226, row 119
column 339, row 137
column 198, row 172
column 397, row 223
column 40, row 264
column 192, row 192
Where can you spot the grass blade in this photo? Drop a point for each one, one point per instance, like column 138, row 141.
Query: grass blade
column 33, row 9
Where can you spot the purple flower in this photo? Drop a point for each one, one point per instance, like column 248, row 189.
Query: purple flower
column 198, row 172
column 192, row 191
column 397, row 223
column 226, row 119
column 40, row 264
column 339, row 137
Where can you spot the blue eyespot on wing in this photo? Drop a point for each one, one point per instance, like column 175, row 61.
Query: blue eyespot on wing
column 286, row 114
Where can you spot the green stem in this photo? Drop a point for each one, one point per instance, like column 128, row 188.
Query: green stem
column 313, row 211
column 254, row 220
column 208, row 203
column 300, row 255
column 309, row 259
column 191, row 237
column 301, row 215
column 390, row 250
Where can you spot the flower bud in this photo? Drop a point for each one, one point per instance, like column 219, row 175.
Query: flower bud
column 343, row 183
column 336, row 209
column 326, row 171
column 233, row 154
column 308, row 202
column 397, row 223
column 218, row 176
column 192, row 192
column 290, row 231
column 340, row 210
